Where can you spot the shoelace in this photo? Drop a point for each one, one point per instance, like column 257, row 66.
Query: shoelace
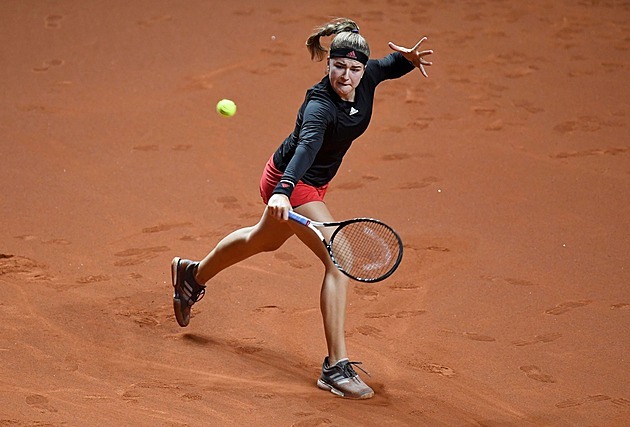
column 350, row 372
column 198, row 291
column 198, row 295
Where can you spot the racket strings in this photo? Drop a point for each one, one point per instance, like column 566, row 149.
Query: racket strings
column 366, row 249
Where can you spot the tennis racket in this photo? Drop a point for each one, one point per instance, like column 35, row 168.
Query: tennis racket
column 364, row 249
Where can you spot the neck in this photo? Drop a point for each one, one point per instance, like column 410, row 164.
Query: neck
column 349, row 98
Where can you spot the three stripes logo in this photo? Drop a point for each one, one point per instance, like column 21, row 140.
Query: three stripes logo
column 352, row 55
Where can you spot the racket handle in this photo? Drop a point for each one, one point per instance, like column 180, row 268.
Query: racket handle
column 299, row 218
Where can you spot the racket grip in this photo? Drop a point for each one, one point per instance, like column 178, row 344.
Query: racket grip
column 299, row 218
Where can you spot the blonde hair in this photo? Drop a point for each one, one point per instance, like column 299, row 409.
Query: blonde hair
column 346, row 33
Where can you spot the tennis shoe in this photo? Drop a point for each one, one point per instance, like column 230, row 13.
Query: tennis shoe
column 341, row 379
column 186, row 289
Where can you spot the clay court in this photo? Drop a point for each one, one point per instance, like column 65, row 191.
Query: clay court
column 506, row 173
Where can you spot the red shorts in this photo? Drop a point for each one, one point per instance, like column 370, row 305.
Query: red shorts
column 302, row 193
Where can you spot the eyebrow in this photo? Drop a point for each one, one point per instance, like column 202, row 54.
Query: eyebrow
column 340, row 62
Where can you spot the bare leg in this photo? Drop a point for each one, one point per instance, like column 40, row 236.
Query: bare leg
column 334, row 286
column 268, row 235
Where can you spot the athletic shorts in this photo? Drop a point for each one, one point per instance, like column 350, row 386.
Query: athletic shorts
column 302, row 193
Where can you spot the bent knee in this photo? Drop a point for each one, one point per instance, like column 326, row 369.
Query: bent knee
column 336, row 275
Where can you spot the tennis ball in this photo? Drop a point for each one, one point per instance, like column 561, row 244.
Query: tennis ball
column 226, row 107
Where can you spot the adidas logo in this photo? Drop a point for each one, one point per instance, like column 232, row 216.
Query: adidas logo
column 352, row 55
column 353, row 111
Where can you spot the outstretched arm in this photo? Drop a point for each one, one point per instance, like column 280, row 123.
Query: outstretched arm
column 414, row 55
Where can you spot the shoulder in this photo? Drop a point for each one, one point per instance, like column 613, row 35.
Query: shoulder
column 391, row 66
column 378, row 64
column 319, row 101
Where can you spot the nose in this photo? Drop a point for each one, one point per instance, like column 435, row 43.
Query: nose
column 346, row 74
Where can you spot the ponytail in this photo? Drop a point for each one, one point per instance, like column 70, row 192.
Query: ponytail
column 337, row 26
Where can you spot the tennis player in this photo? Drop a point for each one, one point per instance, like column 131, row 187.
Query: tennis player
column 335, row 112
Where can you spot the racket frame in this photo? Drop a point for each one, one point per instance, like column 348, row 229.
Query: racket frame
column 313, row 225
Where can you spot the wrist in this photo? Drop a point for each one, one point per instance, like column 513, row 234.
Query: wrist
column 284, row 187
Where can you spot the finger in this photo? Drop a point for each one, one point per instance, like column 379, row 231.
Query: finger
column 422, row 60
column 423, row 71
column 397, row 48
column 283, row 213
column 419, row 43
column 275, row 212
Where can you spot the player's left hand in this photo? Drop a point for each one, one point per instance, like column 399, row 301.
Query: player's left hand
column 414, row 55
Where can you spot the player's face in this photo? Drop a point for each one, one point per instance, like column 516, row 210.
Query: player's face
column 345, row 75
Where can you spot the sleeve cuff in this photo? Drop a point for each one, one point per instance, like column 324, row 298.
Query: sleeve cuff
column 284, row 187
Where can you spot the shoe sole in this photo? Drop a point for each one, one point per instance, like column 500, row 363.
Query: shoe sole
column 177, row 307
column 325, row 386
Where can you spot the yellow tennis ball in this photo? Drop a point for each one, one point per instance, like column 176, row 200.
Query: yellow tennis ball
column 226, row 107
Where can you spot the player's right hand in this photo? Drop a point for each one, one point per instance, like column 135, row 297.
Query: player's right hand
column 279, row 207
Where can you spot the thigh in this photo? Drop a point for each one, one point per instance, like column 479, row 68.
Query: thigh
column 317, row 211
column 270, row 232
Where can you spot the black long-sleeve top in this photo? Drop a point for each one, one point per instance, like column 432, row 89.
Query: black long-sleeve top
column 326, row 126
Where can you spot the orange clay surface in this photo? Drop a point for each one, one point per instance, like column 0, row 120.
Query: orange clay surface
column 507, row 174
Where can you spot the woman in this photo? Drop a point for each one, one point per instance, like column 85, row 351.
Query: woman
column 334, row 113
